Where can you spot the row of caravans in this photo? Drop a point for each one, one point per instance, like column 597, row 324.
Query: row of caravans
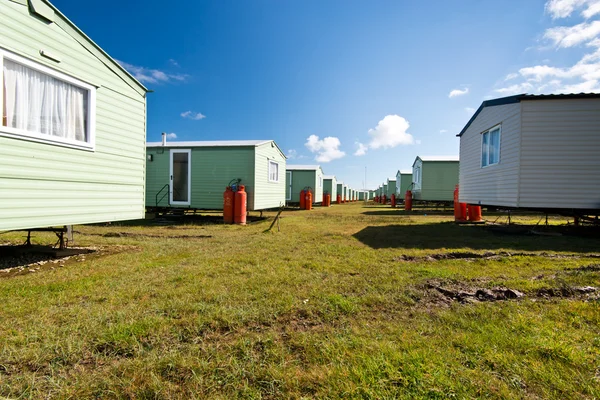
column 90, row 163
column 431, row 179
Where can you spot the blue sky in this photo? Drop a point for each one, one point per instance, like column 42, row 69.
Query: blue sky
column 348, row 84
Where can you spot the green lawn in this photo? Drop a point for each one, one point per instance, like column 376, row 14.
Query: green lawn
column 337, row 304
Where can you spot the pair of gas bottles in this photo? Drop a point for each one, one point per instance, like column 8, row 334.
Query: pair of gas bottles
column 234, row 205
column 306, row 199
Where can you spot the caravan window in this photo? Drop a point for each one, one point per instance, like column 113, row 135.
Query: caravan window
column 44, row 105
column 273, row 171
column 490, row 147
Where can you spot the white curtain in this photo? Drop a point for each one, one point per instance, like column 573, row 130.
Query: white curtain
column 39, row 103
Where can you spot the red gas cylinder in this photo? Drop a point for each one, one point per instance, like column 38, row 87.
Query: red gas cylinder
column 474, row 213
column 239, row 206
column 408, row 200
column 393, row 200
column 338, row 199
column 376, row 199
column 327, row 200
column 308, row 200
column 228, row 202
column 302, row 199
column 460, row 209
column 384, row 199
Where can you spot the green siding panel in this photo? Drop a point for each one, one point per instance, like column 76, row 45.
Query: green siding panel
column 307, row 178
column 330, row 186
column 438, row 181
column 268, row 194
column 47, row 185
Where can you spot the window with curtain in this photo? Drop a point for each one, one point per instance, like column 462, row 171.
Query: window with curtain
column 37, row 103
column 490, row 147
column 273, row 171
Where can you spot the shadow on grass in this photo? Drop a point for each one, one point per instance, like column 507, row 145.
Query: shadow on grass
column 451, row 236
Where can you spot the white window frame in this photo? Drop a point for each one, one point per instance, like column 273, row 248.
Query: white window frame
column 272, row 162
column 288, row 185
column 6, row 131
column 488, row 131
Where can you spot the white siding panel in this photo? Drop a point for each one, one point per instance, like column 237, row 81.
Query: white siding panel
column 560, row 165
column 497, row 184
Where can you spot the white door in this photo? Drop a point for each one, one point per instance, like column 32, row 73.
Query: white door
column 181, row 174
column 288, row 185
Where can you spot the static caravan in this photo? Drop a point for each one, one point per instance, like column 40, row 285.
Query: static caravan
column 305, row 176
column 533, row 151
column 363, row 195
column 384, row 190
column 345, row 193
column 330, row 186
column 403, row 182
column 340, row 189
column 434, row 178
column 195, row 174
column 73, row 124
column 391, row 187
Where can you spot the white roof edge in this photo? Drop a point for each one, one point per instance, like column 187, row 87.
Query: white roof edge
column 302, row 167
column 329, row 177
column 210, row 143
column 439, row 158
column 406, row 171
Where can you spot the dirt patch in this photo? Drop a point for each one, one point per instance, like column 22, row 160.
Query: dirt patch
column 488, row 255
column 143, row 235
column 462, row 293
column 14, row 261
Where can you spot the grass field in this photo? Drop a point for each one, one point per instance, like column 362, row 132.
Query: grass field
column 342, row 302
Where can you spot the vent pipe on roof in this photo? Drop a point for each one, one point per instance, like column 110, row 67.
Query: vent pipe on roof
column 164, row 139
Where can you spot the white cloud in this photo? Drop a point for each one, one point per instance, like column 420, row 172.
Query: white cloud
column 327, row 149
column 171, row 135
column 564, row 8
column 517, row 88
column 361, row 149
column 569, row 36
column 443, row 130
column 390, row 132
column 291, row 154
column 173, row 62
column 192, row 115
column 470, row 110
column 417, row 142
column 511, row 76
column 458, row 92
column 149, row 75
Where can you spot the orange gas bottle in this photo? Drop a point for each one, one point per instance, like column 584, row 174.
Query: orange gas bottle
column 408, row 200
column 393, row 200
column 228, row 202
column 474, row 213
column 302, row 199
column 327, row 200
column 338, row 199
column 308, row 199
column 239, row 206
column 460, row 209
